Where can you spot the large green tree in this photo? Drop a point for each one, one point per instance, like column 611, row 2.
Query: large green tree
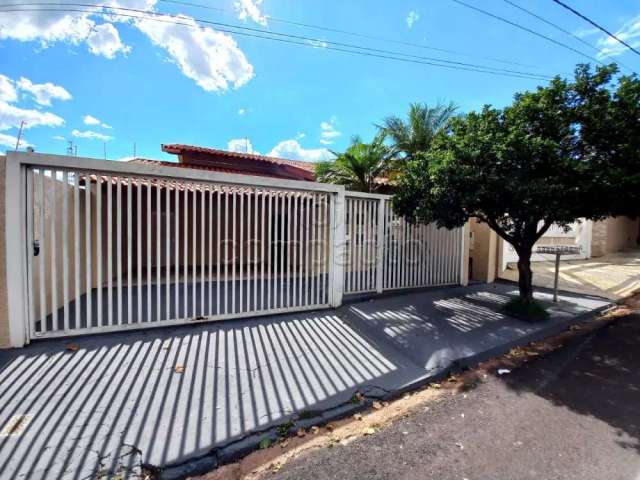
column 415, row 134
column 362, row 167
column 565, row 151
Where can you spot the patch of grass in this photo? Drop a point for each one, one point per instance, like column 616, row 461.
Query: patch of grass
column 265, row 443
column 356, row 398
column 527, row 310
column 284, row 429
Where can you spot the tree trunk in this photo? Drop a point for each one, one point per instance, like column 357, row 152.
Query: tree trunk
column 525, row 276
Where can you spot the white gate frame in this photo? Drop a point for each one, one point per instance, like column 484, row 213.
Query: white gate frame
column 18, row 251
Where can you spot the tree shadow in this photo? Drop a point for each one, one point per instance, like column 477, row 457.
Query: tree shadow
column 597, row 376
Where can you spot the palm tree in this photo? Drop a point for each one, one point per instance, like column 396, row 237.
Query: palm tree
column 361, row 167
column 417, row 133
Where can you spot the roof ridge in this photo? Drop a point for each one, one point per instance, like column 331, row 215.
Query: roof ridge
column 176, row 148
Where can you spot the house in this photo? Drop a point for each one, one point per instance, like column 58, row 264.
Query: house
column 212, row 159
column 106, row 246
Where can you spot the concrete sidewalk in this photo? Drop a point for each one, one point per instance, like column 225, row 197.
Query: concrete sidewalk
column 614, row 276
column 119, row 401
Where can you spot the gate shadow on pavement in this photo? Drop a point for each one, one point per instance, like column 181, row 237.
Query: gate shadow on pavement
column 121, row 397
column 164, row 396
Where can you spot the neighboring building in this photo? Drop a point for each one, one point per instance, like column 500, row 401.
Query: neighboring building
column 614, row 234
column 490, row 255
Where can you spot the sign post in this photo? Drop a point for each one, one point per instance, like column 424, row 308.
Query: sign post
column 558, row 251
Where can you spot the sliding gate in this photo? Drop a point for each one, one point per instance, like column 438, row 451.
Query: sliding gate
column 110, row 250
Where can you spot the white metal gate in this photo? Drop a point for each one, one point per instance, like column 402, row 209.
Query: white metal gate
column 385, row 252
column 113, row 251
column 101, row 246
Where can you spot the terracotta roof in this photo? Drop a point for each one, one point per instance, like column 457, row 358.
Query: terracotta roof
column 179, row 149
column 209, row 168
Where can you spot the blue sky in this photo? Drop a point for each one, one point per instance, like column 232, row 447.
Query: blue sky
column 117, row 81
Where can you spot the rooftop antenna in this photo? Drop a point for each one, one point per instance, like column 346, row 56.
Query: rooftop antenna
column 246, row 144
column 134, row 149
column 22, row 122
column 104, row 147
column 75, row 150
column 70, row 148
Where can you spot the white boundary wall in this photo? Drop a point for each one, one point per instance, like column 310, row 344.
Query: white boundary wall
column 579, row 234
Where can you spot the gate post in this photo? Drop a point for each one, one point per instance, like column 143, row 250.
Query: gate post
column 15, row 247
column 337, row 245
column 382, row 204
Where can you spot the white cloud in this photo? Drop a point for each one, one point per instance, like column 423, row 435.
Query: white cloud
column 43, row 93
column 10, row 141
column 45, row 27
column 292, row 150
column 91, row 120
column 212, row 59
column 250, row 9
column 58, row 137
column 241, row 111
column 8, row 92
column 91, row 135
column 586, row 32
column 242, row 145
column 630, row 33
column 328, row 131
column 11, row 116
column 105, row 40
column 412, row 18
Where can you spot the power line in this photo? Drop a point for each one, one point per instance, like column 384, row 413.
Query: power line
column 532, row 32
column 291, row 39
column 316, row 41
column 352, row 33
column 584, row 17
column 558, row 27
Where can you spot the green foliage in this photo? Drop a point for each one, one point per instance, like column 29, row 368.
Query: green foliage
column 417, row 133
column 264, row 443
column 361, row 167
column 528, row 310
column 284, row 429
column 564, row 151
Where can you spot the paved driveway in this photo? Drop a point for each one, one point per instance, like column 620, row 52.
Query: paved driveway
column 614, row 276
column 165, row 396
